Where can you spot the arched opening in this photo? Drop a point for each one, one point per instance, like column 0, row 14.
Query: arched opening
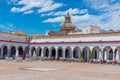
column 33, row 52
column 53, row 53
column 5, row 51
column 117, row 54
column 20, row 51
column 46, row 52
column 107, row 54
column 0, row 52
column 111, row 54
column 60, row 55
column 39, row 51
column 68, row 53
column 27, row 52
column 96, row 53
column 76, row 53
column 85, row 54
column 13, row 52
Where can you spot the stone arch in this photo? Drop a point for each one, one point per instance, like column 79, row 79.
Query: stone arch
column 20, row 51
column 107, row 53
column 85, row 53
column 46, row 52
column 53, row 53
column 0, row 52
column 27, row 51
column 96, row 52
column 39, row 51
column 4, row 52
column 117, row 54
column 33, row 51
column 60, row 53
column 76, row 52
column 68, row 53
column 12, row 51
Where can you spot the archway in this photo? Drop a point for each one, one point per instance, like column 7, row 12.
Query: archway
column 27, row 52
column 117, row 54
column 53, row 53
column 39, row 51
column 0, row 52
column 76, row 53
column 13, row 52
column 20, row 51
column 107, row 53
column 68, row 53
column 33, row 51
column 96, row 52
column 110, row 54
column 5, row 51
column 85, row 53
column 46, row 52
column 60, row 53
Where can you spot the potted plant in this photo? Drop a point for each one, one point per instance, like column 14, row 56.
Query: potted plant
column 81, row 59
column 91, row 56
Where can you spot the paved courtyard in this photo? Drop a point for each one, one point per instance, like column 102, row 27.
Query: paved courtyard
column 53, row 70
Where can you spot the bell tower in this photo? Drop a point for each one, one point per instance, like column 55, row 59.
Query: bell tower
column 67, row 26
column 67, row 18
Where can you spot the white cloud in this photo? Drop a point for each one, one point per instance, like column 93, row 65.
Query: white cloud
column 7, row 27
column 49, row 5
column 12, row 1
column 75, row 19
column 57, row 19
column 28, row 12
column 71, row 11
column 108, row 19
column 103, row 6
column 41, row 5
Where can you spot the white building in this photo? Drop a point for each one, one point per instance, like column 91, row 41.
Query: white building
column 91, row 29
column 103, row 46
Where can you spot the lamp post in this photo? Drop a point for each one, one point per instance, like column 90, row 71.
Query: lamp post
column 28, row 39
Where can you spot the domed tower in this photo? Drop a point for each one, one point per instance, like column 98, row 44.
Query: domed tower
column 67, row 26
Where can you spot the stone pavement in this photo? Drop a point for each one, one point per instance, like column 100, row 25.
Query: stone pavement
column 55, row 70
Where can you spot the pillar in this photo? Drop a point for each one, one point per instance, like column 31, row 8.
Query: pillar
column 8, row 53
column 72, row 59
column 17, row 55
column 101, row 57
column 1, row 56
column 56, row 56
column 113, row 61
column 63, row 54
column 49, row 54
column 42, row 53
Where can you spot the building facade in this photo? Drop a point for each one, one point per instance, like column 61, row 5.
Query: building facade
column 98, row 46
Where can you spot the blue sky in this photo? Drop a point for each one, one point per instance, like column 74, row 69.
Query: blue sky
column 40, row 16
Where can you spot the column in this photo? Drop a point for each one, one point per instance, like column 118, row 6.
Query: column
column 49, row 54
column 72, row 59
column 8, row 53
column 42, row 53
column 63, row 54
column 101, row 56
column 113, row 61
column 30, row 54
column 1, row 56
column 56, row 56
column 17, row 55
